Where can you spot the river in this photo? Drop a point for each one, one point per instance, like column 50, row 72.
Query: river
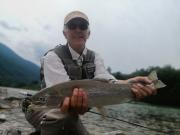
column 135, row 118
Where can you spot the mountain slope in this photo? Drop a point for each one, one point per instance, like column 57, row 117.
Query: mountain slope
column 14, row 70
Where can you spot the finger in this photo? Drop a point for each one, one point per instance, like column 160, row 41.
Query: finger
column 139, row 89
column 65, row 105
column 144, row 90
column 74, row 98
column 136, row 93
column 79, row 100
column 135, row 90
column 143, row 80
column 148, row 90
column 84, row 103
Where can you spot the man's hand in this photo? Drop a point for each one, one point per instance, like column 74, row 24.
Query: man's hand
column 141, row 87
column 77, row 103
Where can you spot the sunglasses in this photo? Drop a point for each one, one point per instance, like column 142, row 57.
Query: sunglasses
column 77, row 23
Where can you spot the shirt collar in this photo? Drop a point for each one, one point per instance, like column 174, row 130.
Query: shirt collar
column 75, row 55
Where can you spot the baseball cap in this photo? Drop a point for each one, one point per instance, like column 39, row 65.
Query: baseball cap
column 75, row 14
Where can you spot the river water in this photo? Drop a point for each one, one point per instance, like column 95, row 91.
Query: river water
column 136, row 118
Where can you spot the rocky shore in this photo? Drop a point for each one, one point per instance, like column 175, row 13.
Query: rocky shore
column 124, row 119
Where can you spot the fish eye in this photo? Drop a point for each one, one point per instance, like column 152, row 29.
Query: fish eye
column 43, row 99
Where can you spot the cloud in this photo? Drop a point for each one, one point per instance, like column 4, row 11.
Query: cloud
column 4, row 38
column 47, row 27
column 7, row 26
column 128, row 35
column 2, row 35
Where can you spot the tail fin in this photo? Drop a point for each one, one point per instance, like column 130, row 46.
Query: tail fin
column 153, row 76
column 159, row 84
column 156, row 83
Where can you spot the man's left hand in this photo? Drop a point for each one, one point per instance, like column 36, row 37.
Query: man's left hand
column 141, row 87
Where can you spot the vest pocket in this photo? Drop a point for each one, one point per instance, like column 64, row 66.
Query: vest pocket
column 74, row 72
column 88, row 70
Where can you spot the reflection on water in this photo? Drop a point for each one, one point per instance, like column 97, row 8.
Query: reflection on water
column 137, row 119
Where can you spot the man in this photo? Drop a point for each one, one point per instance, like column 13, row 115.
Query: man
column 71, row 62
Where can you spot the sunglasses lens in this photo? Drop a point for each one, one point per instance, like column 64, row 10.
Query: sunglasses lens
column 81, row 24
column 71, row 26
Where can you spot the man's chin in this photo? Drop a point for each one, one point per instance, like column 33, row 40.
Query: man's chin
column 80, row 43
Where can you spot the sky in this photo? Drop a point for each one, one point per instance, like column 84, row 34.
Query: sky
column 128, row 34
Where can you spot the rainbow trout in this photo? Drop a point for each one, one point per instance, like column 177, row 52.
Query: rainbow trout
column 99, row 92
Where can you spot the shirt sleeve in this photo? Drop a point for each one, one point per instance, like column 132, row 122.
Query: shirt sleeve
column 101, row 71
column 54, row 71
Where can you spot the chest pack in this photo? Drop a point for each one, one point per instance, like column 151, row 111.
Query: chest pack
column 75, row 71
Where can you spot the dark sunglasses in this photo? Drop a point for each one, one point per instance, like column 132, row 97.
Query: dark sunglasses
column 77, row 23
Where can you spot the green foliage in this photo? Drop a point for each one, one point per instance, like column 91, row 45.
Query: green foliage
column 34, row 85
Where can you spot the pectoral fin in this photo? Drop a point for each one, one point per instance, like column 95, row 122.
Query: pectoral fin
column 102, row 111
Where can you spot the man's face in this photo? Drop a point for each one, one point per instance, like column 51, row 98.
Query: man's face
column 77, row 32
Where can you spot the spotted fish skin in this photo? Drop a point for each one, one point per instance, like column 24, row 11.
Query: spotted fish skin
column 99, row 91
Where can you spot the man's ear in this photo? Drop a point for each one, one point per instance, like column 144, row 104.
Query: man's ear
column 88, row 34
column 64, row 33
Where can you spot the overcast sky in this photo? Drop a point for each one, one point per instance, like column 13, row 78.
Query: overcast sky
column 128, row 34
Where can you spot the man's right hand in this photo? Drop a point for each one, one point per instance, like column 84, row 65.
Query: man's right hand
column 76, row 104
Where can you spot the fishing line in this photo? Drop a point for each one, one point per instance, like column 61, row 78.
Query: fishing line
column 135, row 124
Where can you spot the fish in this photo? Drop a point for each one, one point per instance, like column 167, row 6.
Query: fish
column 99, row 91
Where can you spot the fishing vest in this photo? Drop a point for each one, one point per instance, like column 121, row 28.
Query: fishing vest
column 75, row 71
